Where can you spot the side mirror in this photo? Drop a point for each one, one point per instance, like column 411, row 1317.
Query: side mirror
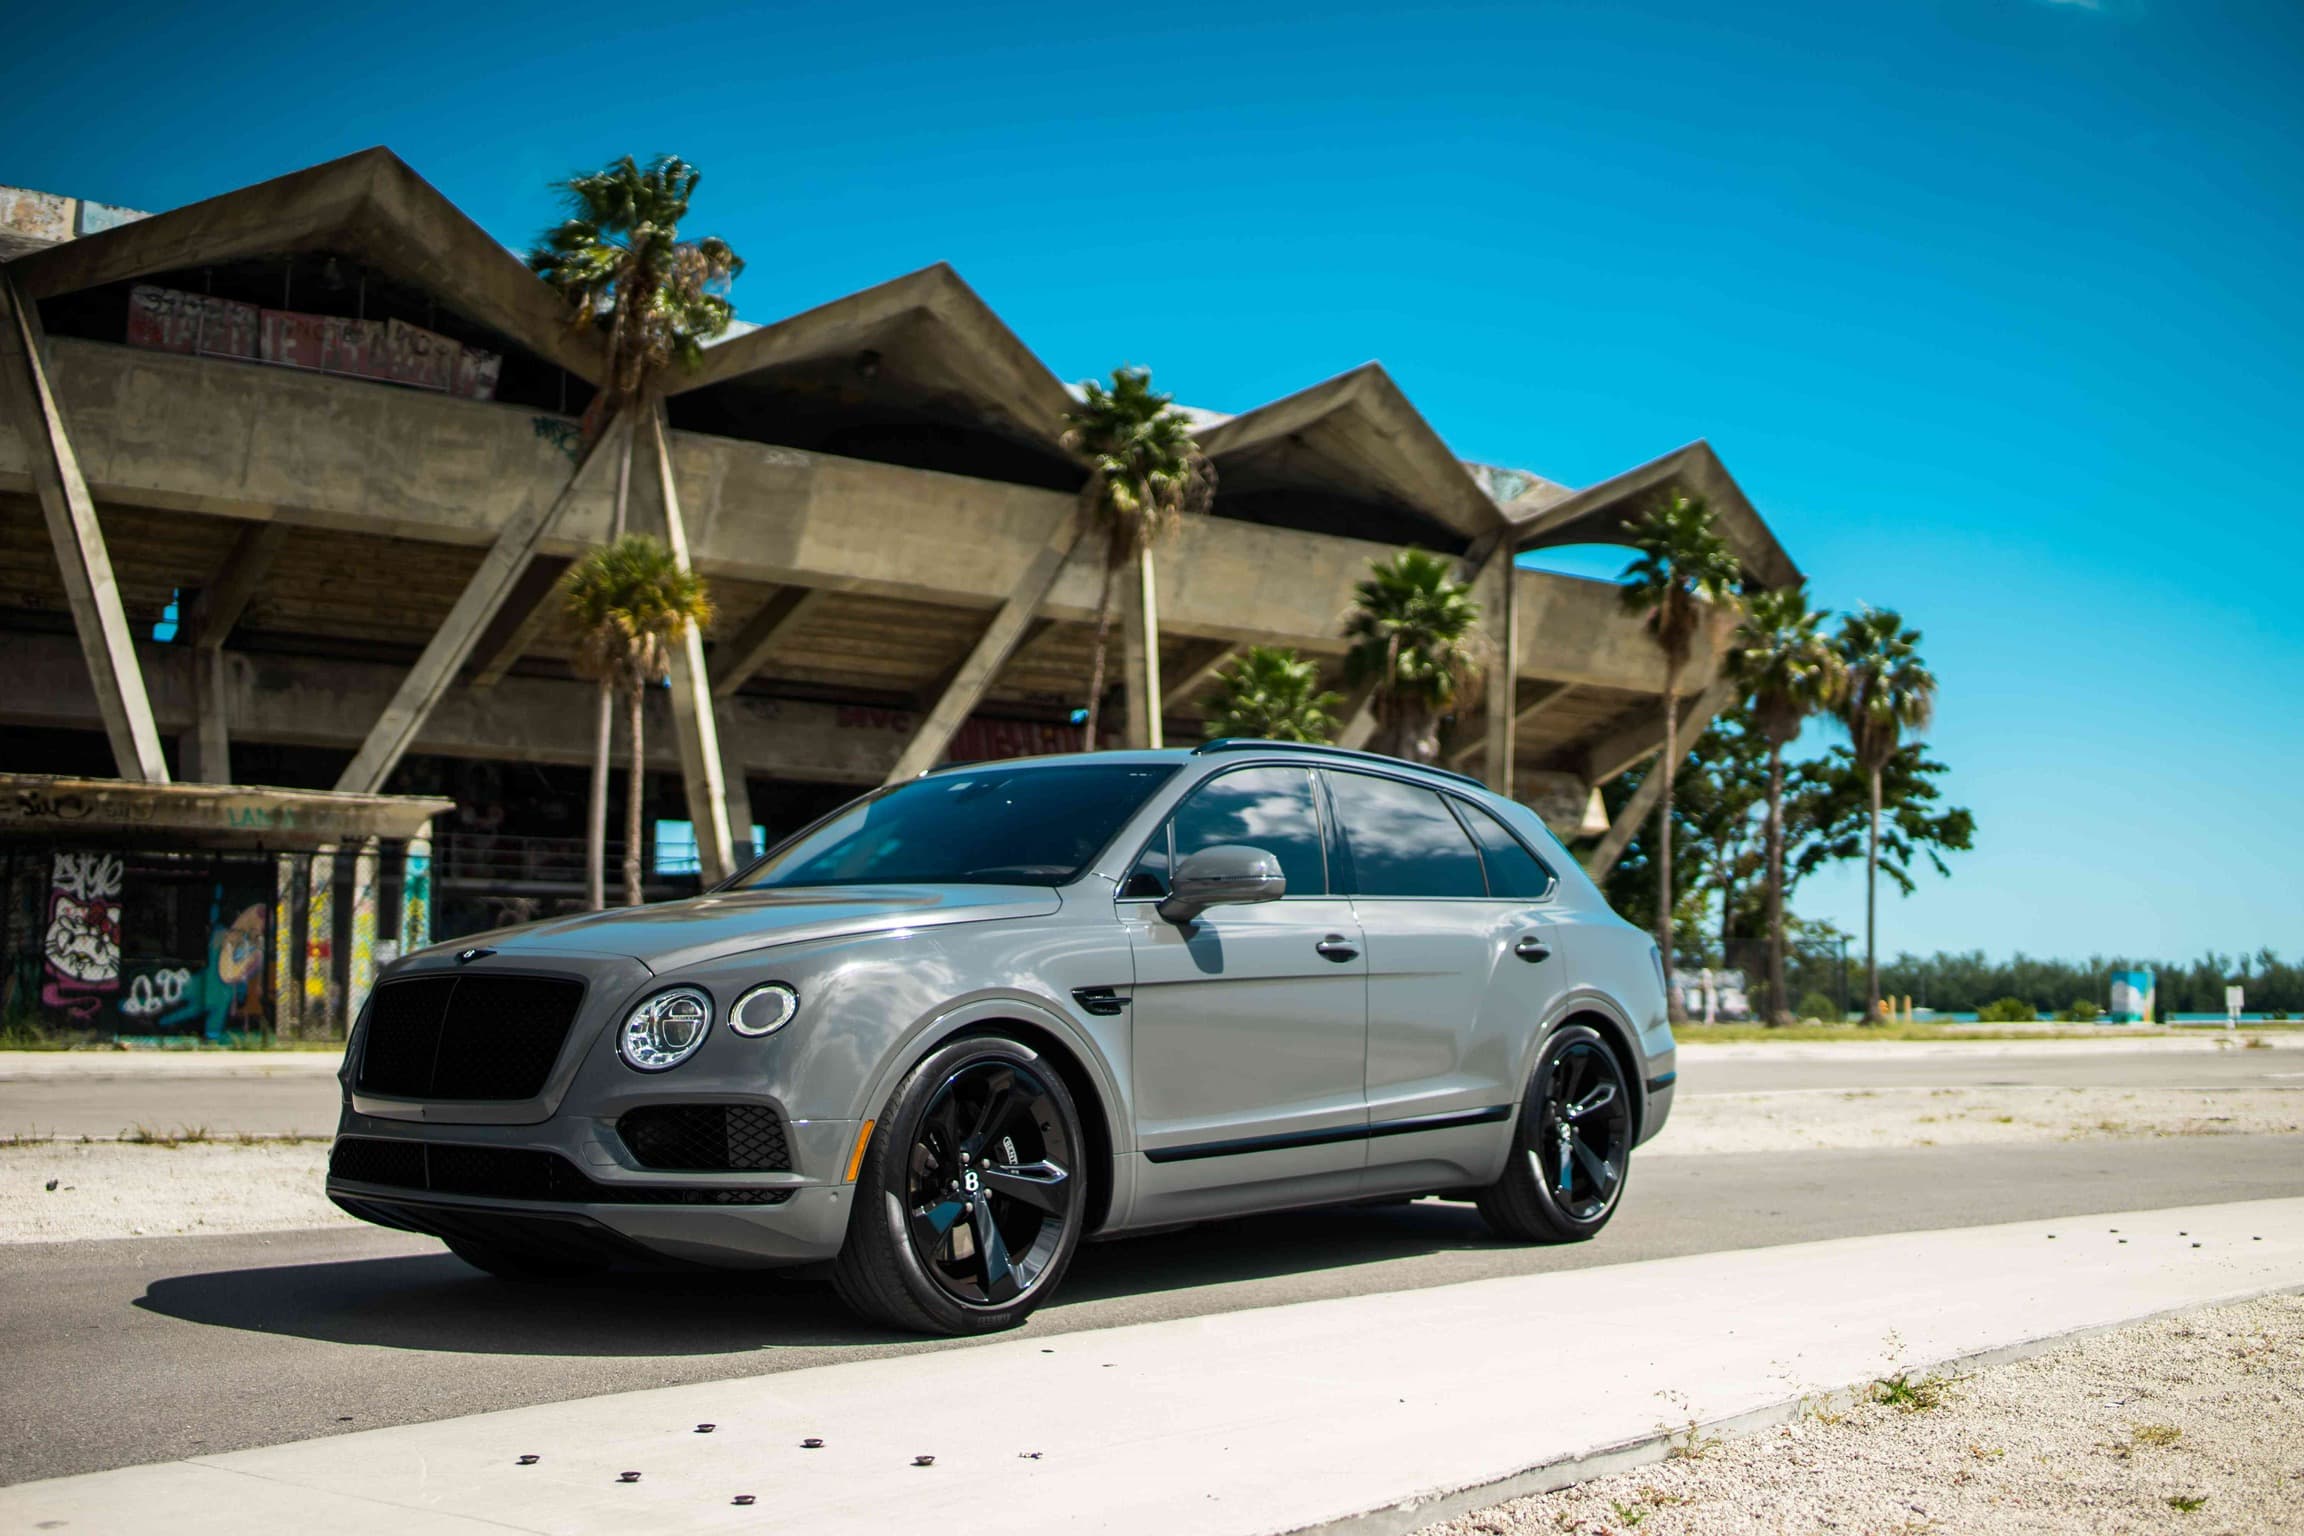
column 1227, row 873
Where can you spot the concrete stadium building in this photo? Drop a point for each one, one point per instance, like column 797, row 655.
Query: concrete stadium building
column 285, row 487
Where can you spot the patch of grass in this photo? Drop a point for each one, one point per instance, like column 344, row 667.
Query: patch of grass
column 1821, row 1410
column 182, row 1136
column 1691, row 1444
column 27, row 1139
column 1906, row 1395
column 2186, row 1503
column 1631, row 1515
column 2156, row 1434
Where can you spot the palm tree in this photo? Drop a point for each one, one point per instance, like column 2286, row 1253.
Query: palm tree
column 1790, row 671
column 619, row 264
column 632, row 601
column 1145, row 474
column 1415, row 635
column 1888, row 691
column 1683, row 566
column 1275, row 695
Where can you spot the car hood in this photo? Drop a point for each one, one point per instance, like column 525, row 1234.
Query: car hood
column 673, row 935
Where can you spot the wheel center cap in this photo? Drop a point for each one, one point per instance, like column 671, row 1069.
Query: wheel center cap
column 969, row 1181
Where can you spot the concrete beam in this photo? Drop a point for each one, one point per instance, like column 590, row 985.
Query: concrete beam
column 782, row 615
column 514, row 631
column 295, row 700
column 1200, row 678
column 435, row 671
column 1001, row 639
column 1612, row 754
column 1547, row 695
column 1693, row 719
column 77, row 539
column 695, row 728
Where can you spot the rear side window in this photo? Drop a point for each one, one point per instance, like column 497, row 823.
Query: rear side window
column 1402, row 840
column 1267, row 808
column 1513, row 872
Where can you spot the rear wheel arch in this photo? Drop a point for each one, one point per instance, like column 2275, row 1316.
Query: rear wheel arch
column 1589, row 1010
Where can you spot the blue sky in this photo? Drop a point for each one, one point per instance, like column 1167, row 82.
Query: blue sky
column 1989, row 304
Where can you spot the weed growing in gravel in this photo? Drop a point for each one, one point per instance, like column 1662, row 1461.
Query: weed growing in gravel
column 1906, row 1395
column 2156, row 1434
column 1691, row 1444
column 2186, row 1503
column 27, row 1139
column 1627, row 1513
column 182, row 1136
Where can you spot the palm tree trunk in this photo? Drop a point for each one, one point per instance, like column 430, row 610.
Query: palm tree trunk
column 1664, row 834
column 596, row 819
column 1103, row 638
column 634, row 788
column 1779, row 1006
column 1872, row 908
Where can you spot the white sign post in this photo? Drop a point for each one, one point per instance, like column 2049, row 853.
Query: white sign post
column 2232, row 1002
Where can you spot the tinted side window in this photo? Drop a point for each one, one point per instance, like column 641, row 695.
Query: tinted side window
column 1267, row 808
column 1513, row 872
column 1403, row 840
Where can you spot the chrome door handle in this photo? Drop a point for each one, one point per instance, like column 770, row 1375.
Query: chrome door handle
column 1338, row 948
column 1533, row 950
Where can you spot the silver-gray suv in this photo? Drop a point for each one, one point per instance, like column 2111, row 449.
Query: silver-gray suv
column 949, row 1031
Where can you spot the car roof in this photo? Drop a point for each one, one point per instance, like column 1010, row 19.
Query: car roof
column 1226, row 745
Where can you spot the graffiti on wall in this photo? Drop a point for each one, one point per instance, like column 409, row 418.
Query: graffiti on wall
column 169, row 320
column 82, row 947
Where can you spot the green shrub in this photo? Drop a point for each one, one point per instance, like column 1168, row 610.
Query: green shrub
column 2082, row 1011
column 2009, row 1010
column 1817, row 1006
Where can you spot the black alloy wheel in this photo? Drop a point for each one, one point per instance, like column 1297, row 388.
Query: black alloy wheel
column 970, row 1203
column 1573, row 1145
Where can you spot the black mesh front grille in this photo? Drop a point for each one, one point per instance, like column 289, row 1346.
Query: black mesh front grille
column 509, row 1173
column 707, row 1137
column 466, row 1037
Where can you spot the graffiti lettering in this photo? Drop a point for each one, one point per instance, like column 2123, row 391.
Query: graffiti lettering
column 35, row 806
column 149, row 993
column 563, row 435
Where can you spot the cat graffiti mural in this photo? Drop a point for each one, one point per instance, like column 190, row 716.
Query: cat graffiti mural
column 81, row 950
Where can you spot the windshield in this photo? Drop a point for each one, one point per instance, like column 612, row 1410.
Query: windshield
column 977, row 826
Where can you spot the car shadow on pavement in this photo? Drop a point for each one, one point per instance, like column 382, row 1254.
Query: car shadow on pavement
column 437, row 1302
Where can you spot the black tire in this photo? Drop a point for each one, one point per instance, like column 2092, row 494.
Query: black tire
column 1578, row 1086
column 525, row 1265
column 967, row 1211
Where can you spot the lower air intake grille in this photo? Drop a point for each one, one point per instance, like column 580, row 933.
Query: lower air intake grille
column 707, row 1138
column 466, row 1037
column 510, row 1173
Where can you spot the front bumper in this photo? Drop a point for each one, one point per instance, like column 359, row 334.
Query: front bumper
column 600, row 1200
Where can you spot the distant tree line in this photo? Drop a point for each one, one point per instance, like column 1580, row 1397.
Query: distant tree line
column 1957, row 983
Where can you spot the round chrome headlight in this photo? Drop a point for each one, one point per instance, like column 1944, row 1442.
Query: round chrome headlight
column 666, row 1029
column 764, row 1010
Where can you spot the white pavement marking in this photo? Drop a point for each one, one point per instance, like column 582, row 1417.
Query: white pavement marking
column 1400, row 1407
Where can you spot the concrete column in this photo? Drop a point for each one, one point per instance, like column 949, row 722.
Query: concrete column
column 735, row 788
column 693, row 722
column 78, row 540
column 1503, row 673
column 210, row 760
column 1148, row 610
column 320, row 986
column 287, row 912
column 360, row 963
column 1140, row 708
column 1000, row 640
column 435, row 671
column 416, row 892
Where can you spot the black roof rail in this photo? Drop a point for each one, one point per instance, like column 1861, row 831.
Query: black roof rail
column 1259, row 744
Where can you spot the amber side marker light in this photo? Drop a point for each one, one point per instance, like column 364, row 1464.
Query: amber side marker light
column 856, row 1158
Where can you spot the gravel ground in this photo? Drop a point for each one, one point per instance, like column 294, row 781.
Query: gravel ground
column 1704, row 1124
column 2186, row 1424
column 64, row 1191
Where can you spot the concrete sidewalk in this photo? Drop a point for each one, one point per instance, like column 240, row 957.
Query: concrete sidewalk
column 198, row 1066
column 1386, row 1411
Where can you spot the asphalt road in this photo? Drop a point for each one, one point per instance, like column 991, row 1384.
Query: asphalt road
column 136, row 1350
column 303, row 1102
